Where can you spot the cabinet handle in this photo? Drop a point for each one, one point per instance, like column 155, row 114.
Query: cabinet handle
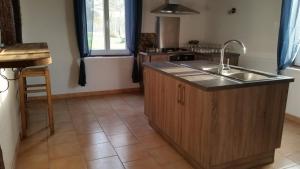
column 179, row 94
column 183, row 96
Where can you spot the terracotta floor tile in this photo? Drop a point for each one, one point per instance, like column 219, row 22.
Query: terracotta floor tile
column 62, row 138
column 87, row 128
column 76, row 101
column 123, row 140
column 73, row 162
column 142, row 131
column 116, row 130
column 165, row 155
column 64, row 150
column 83, row 118
column 295, row 157
column 64, row 127
column 92, row 139
column 36, row 137
column 182, row 164
column 98, row 151
column 103, row 111
column 33, row 148
column 152, row 141
column 290, row 148
column 148, row 163
column 132, row 152
column 106, row 163
column 281, row 162
column 37, row 127
column 62, row 117
column 108, row 117
column 294, row 167
column 38, row 117
column 111, row 123
column 38, row 161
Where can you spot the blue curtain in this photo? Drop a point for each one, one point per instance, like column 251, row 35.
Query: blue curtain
column 289, row 34
column 82, row 17
column 133, row 30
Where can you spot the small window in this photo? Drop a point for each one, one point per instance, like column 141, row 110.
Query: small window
column 107, row 36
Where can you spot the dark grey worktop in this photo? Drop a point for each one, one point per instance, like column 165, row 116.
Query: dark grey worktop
column 186, row 52
column 209, row 81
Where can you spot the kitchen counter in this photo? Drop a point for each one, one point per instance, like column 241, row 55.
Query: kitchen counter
column 216, row 122
column 185, row 71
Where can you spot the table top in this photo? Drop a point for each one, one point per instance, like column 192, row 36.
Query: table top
column 25, row 55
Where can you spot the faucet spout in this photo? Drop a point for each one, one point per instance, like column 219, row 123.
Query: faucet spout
column 226, row 44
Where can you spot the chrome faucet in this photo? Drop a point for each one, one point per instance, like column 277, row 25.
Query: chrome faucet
column 222, row 66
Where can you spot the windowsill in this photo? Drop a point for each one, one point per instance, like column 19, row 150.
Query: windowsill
column 109, row 56
column 294, row 68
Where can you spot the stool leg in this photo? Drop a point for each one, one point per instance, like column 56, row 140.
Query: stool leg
column 22, row 106
column 49, row 99
column 25, row 100
column 25, row 88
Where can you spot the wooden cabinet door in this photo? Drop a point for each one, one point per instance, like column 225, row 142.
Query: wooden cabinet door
column 153, row 97
column 161, row 103
column 173, row 109
column 196, row 123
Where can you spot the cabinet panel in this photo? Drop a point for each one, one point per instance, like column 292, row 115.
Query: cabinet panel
column 173, row 109
column 161, row 95
column 196, row 120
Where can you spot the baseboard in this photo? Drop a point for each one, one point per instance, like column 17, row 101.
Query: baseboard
column 292, row 118
column 87, row 94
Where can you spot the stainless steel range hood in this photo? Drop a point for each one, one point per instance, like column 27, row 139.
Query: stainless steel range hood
column 174, row 8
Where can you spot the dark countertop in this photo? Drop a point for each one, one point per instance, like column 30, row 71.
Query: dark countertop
column 228, row 54
column 209, row 81
column 164, row 53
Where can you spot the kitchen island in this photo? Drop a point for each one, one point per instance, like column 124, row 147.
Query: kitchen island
column 216, row 121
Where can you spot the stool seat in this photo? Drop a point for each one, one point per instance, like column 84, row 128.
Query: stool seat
column 24, row 89
column 34, row 71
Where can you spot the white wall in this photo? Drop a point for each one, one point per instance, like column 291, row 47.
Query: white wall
column 52, row 21
column 9, row 122
column 192, row 27
column 293, row 106
column 256, row 23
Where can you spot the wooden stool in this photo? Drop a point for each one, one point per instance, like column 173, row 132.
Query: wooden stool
column 24, row 89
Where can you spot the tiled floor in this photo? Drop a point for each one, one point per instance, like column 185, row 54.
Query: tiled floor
column 112, row 132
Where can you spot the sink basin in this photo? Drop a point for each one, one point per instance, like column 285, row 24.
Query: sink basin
column 235, row 73
column 211, row 69
column 197, row 78
column 248, row 76
column 175, row 70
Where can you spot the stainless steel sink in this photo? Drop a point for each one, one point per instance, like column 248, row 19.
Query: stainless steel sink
column 235, row 73
column 211, row 69
column 248, row 76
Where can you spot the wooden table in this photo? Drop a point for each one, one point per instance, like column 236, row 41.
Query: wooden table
column 25, row 55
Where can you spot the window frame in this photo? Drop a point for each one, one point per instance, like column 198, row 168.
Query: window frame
column 296, row 62
column 108, row 51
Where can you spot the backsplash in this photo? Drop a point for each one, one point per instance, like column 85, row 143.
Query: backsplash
column 147, row 40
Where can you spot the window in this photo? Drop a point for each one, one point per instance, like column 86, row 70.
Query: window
column 107, row 27
column 297, row 60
